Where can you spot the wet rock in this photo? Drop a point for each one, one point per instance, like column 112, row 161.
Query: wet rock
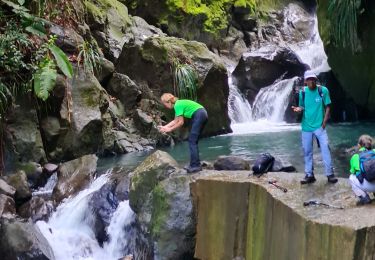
column 160, row 195
column 143, row 122
column 23, row 138
column 67, row 38
column 106, row 69
column 73, row 176
column 19, row 182
column 33, row 172
column 122, row 87
column 121, row 179
column 233, row 163
column 50, row 168
column 102, row 205
column 7, row 207
column 282, row 166
column 261, row 68
column 36, row 209
column 51, row 128
column 21, row 240
column 150, row 60
column 84, row 135
column 6, row 189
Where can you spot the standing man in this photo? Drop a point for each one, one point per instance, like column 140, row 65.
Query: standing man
column 314, row 103
column 185, row 108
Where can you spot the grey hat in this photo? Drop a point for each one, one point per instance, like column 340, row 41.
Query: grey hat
column 309, row 74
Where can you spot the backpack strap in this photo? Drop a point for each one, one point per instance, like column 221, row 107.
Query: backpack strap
column 320, row 91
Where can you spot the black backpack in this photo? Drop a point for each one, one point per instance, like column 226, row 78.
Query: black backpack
column 263, row 163
column 320, row 91
column 367, row 164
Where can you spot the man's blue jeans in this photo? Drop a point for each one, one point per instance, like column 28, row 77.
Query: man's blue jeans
column 307, row 144
column 199, row 121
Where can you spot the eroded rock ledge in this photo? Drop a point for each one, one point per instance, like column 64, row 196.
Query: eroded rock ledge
column 241, row 217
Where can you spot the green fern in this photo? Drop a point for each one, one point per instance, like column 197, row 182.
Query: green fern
column 185, row 81
column 44, row 79
column 62, row 60
column 344, row 15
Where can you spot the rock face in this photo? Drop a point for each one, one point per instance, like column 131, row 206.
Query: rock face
column 21, row 240
column 36, row 209
column 73, row 176
column 241, row 217
column 358, row 78
column 263, row 67
column 160, row 195
column 151, row 65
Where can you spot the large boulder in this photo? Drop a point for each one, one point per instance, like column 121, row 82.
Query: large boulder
column 21, row 240
column 261, row 68
column 7, row 207
column 357, row 78
column 36, row 209
column 6, row 189
column 122, row 87
column 73, row 176
column 23, row 141
column 102, row 205
column 160, row 195
column 18, row 180
column 232, row 163
column 151, row 63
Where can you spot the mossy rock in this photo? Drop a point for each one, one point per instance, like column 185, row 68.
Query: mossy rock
column 152, row 63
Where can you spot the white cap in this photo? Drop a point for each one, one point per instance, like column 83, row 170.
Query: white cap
column 309, row 74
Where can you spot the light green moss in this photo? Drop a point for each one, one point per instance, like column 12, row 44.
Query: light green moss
column 214, row 14
column 159, row 210
column 100, row 8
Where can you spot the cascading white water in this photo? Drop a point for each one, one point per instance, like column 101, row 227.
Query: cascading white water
column 271, row 102
column 71, row 236
column 239, row 109
column 48, row 188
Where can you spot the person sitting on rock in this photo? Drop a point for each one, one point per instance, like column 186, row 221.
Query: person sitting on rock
column 185, row 108
column 360, row 185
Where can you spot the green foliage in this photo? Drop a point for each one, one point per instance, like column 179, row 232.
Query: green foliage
column 185, row 81
column 344, row 17
column 46, row 74
column 44, row 79
column 89, row 56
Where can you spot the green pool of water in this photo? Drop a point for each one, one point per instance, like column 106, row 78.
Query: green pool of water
column 285, row 144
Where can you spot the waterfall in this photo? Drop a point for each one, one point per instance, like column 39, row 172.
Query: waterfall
column 271, row 102
column 239, row 109
column 70, row 233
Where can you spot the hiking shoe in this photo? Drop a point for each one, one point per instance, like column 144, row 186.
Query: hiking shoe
column 331, row 178
column 193, row 169
column 363, row 200
column 308, row 179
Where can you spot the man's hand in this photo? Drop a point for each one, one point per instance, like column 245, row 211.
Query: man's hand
column 297, row 109
column 324, row 125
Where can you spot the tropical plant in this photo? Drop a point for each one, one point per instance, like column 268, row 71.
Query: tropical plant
column 185, row 80
column 46, row 74
column 89, row 56
column 344, row 16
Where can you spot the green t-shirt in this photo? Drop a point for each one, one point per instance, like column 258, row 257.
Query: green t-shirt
column 186, row 108
column 354, row 162
column 313, row 113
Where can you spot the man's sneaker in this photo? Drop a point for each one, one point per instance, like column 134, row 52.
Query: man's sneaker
column 363, row 200
column 193, row 169
column 308, row 179
column 332, row 179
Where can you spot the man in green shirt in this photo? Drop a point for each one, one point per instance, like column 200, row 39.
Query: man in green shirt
column 314, row 103
column 360, row 185
column 186, row 109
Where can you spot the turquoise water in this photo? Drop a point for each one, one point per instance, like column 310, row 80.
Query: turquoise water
column 284, row 143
